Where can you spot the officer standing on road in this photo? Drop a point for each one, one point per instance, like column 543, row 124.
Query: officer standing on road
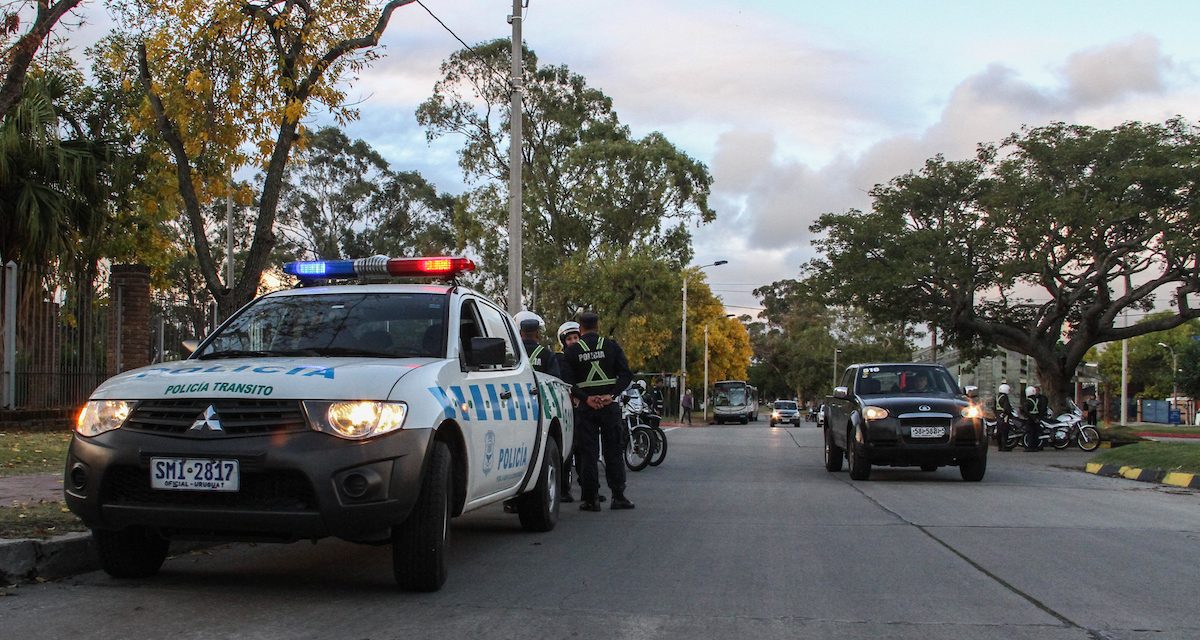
column 1004, row 417
column 598, row 371
column 543, row 359
column 1037, row 408
column 568, row 334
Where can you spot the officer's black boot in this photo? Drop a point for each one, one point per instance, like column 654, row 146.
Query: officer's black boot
column 589, row 504
column 620, row 501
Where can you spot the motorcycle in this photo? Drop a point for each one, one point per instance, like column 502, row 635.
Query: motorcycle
column 1060, row 432
column 640, row 418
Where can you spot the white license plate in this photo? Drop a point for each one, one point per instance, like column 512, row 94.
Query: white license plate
column 928, row 432
column 194, row 474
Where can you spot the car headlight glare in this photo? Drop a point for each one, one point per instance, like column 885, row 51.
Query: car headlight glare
column 972, row 411
column 100, row 416
column 875, row 413
column 357, row 419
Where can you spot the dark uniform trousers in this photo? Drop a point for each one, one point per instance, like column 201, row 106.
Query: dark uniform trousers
column 593, row 428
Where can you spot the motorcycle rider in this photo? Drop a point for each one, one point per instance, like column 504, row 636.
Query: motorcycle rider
column 531, row 326
column 1005, row 416
column 1037, row 409
column 597, row 370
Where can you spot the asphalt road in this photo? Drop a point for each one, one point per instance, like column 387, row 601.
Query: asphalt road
column 740, row 534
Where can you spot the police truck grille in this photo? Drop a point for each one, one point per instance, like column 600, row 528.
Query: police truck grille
column 237, row 416
column 259, row 491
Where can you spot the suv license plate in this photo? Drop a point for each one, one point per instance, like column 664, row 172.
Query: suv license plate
column 928, row 432
column 194, row 474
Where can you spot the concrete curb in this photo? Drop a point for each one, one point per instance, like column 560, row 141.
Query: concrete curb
column 1173, row 478
column 57, row 557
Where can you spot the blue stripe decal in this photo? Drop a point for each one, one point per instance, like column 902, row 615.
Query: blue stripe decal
column 537, row 404
column 512, row 404
column 495, row 398
column 439, row 394
column 462, row 402
column 477, row 396
column 521, row 402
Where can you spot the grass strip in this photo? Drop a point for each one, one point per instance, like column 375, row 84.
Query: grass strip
column 37, row 520
column 1183, row 457
column 26, row 452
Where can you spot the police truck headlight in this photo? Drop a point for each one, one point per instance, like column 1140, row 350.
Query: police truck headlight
column 100, row 416
column 875, row 413
column 356, row 420
column 972, row 411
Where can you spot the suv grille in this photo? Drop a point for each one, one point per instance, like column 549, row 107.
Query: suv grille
column 262, row 491
column 238, row 416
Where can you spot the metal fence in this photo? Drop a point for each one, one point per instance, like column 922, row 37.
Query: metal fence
column 56, row 333
column 54, row 348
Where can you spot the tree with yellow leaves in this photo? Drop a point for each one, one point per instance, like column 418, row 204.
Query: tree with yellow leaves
column 227, row 83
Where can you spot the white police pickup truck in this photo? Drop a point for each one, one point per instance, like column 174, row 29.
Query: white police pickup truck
column 371, row 412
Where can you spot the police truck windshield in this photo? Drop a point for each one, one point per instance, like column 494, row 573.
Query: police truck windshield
column 379, row 325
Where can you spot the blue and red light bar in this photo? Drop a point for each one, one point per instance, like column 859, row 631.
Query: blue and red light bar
column 428, row 267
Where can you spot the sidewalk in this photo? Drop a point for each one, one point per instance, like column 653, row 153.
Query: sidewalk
column 32, row 559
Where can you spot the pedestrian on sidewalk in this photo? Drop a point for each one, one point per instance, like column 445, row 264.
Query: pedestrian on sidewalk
column 687, row 406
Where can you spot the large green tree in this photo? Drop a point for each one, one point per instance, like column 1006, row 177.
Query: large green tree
column 226, row 76
column 794, row 347
column 1149, row 363
column 341, row 199
column 593, row 194
column 25, row 25
column 1036, row 245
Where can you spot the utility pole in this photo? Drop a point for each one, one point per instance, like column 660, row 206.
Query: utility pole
column 229, row 235
column 514, row 166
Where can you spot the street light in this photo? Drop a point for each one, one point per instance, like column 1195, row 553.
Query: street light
column 728, row 315
column 683, row 335
column 835, row 355
column 1174, row 369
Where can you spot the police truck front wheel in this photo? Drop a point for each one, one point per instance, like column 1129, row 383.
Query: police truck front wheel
column 135, row 552
column 419, row 544
column 538, row 509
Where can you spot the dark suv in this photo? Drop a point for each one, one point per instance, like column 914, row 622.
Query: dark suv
column 903, row 415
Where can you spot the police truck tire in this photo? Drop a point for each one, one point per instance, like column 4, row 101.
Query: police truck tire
column 860, row 467
column 539, row 508
column 419, row 543
column 833, row 454
column 135, row 552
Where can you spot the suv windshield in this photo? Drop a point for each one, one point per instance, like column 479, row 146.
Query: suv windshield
column 380, row 325
column 785, row 405
column 899, row 378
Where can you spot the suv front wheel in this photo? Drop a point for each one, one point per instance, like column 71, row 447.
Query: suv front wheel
column 860, row 466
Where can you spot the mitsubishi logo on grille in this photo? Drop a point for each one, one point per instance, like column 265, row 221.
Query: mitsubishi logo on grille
column 923, row 407
column 207, row 421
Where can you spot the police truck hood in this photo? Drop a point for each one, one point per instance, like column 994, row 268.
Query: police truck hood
column 303, row 378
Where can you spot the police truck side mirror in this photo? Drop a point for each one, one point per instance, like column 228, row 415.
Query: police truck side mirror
column 840, row 392
column 485, row 352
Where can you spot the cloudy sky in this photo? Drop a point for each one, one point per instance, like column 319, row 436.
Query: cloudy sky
column 799, row 108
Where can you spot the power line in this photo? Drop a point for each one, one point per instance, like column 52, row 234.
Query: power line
column 460, row 40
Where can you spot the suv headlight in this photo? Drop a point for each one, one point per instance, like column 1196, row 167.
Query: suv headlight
column 972, row 411
column 356, row 419
column 875, row 413
column 100, row 416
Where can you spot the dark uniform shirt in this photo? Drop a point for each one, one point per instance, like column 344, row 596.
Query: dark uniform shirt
column 596, row 366
column 1003, row 405
column 1037, row 407
column 542, row 358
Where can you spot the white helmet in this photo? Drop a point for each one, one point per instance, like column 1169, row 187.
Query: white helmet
column 641, row 384
column 1030, row 391
column 567, row 328
column 526, row 321
column 1005, row 389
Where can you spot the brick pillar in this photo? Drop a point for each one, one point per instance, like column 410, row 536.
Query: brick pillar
column 128, row 314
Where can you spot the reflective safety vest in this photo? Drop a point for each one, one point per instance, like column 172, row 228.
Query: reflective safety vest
column 596, row 376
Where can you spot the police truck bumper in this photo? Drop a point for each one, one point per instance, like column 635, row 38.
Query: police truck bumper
column 291, row 486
